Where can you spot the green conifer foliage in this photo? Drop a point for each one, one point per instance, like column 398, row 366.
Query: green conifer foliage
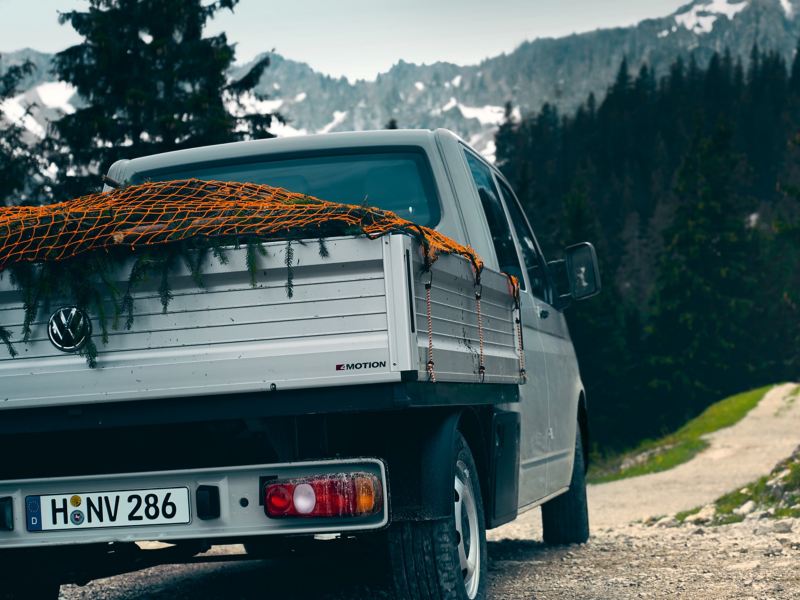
column 690, row 182
column 17, row 163
column 151, row 83
column 704, row 304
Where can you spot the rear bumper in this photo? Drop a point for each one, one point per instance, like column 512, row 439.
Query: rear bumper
column 241, row 512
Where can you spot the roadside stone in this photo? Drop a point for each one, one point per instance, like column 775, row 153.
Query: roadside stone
column 746, row 508
column 667, row 522
column 782, row 526
column 705, row 515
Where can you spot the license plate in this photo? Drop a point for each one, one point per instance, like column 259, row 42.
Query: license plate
column 127, row 508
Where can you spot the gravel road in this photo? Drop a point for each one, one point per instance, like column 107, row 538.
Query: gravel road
column 758, row 559
column 746, row 560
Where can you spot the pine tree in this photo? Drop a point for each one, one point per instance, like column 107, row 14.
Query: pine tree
column 18, row 165
column 704, row 300
column 505, row 139
column 151, row 83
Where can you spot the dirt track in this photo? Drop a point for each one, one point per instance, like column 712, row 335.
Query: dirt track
column 746, row 560
column 753, row 559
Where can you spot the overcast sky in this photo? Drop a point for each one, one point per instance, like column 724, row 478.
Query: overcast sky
column 361, row 38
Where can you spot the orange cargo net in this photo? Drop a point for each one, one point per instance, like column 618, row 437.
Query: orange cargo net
column 171, row 211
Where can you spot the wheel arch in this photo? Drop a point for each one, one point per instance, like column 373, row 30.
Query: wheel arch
column 474, row 431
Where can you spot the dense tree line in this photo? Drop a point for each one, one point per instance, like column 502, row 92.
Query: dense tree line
column 687, row 184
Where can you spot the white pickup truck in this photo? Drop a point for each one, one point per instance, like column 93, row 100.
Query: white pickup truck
column 380, row 403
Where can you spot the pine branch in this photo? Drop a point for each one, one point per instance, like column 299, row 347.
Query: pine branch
column 5, row 337
column 89, row 352
column 139, row 271
column 289, row 269
column 251, row 260
column 101, row 315
column 164, row 287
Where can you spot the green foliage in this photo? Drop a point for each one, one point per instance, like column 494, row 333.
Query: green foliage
column 705, row 290
column 17, row 163
column 685, row 514
column 288, row 260
column 88, row 281
column 689, row 186
column 777, row 493
column 652, row 456
column 5, row 337
column 151, row 83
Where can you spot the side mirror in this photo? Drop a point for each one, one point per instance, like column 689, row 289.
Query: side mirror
column 583, row 273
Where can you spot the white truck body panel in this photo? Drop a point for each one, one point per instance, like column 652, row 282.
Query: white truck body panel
column 349, row 322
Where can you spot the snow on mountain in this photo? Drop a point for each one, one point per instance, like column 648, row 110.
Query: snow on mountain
column 701, row 17
column 16, row 111
column 39, row 105
column 57, row 95
column 338, row 118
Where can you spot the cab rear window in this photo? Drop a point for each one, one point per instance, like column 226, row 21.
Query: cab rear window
column 400, row 181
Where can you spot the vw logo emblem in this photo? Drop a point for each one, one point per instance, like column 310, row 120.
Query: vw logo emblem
column 69, row 329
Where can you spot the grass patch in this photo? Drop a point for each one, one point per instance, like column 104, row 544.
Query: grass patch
column 685, row 514
column 652, row 456
column 777, row 493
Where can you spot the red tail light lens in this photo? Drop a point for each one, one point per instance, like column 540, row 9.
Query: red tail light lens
column 337, row 495
column 278, row 500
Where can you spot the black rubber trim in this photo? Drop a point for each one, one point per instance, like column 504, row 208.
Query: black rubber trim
column 344, row 399
column 411, row 311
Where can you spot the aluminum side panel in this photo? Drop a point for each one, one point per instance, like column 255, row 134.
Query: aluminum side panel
column 228, row 337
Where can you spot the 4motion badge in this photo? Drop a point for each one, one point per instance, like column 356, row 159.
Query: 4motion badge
column 69, row 329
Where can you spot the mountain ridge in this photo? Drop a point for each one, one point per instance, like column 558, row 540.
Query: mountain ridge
column 469, row 99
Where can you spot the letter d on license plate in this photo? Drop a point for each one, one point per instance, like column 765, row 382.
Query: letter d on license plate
column 128, row 508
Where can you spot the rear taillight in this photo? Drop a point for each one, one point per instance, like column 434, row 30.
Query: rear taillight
column 337, row 495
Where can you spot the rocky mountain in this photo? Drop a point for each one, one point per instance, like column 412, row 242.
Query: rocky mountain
column 470, row 99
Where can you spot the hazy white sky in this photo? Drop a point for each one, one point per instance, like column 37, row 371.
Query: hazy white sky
column 361, row 38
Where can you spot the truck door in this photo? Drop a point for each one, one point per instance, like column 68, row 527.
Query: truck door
column 557, row 349
column 534, row 446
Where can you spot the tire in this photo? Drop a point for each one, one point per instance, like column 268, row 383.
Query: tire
column 444, row 559
column 565, row 519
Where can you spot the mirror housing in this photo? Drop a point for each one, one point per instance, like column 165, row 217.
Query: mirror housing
column 583, row 272
column 578, row 271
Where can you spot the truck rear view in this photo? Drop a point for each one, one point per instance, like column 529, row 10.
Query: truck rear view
column 256, row 389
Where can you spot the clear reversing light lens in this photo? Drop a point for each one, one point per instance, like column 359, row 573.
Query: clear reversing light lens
column 304, row 499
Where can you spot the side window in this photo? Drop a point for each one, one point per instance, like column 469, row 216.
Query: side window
column 495, row 217
column 534, row 262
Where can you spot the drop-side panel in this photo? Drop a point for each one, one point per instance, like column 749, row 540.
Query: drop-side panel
column 228, row 337
column 454, row 322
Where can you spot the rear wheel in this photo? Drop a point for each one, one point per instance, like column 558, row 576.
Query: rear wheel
column 565, row 519
column 444, row 559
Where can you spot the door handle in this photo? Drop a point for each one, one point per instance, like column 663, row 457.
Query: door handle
column 543, row 313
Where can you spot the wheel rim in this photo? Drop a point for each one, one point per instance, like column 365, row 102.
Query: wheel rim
column 466, row 521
